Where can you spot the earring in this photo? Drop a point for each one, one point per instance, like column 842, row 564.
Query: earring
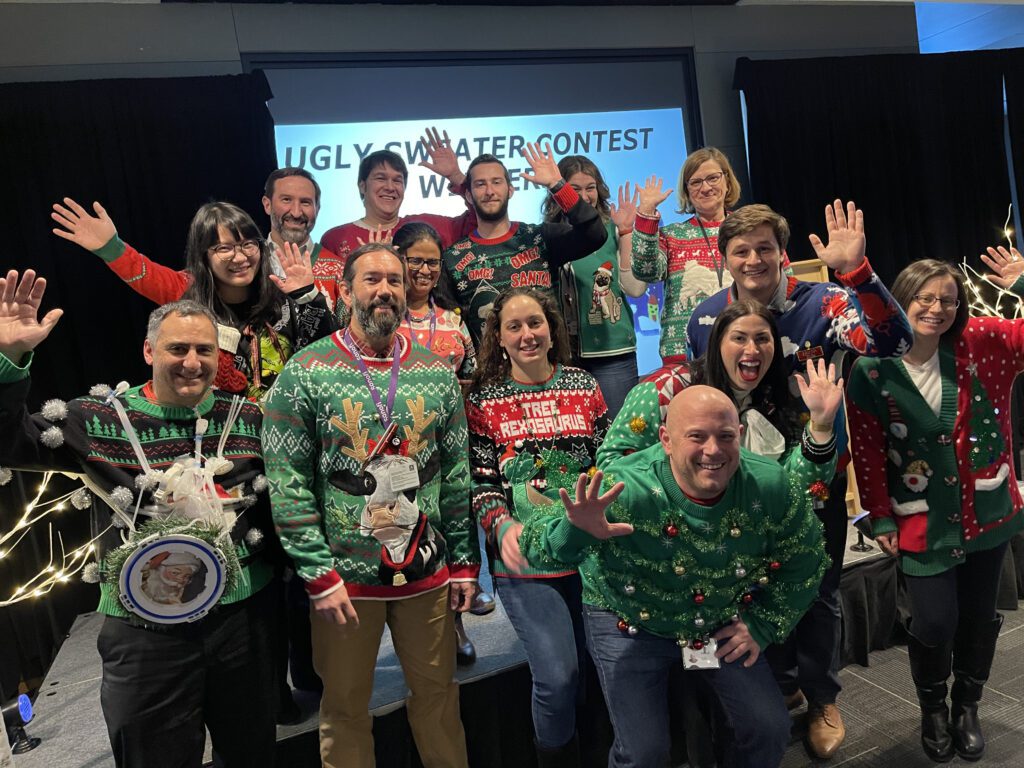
column 504, row 353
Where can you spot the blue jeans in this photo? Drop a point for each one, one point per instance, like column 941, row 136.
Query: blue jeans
column 545, row 614
column 634, row 672
column 615, row 375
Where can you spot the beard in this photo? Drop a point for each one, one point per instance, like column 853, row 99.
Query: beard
column 379, row 326
column 498, row 215
column 290, row 235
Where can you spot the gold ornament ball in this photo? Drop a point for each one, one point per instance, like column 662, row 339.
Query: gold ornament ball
column 680, row 570
column 645, row 615
column 637, row 424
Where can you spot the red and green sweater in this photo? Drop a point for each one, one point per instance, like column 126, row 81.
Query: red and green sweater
column 89, row 439
column 526, row 441
column 946, row 483
column 320, row 422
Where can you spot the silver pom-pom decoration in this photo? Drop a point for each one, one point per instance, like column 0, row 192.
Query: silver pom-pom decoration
column 629, row 589
column 81, row 499
column 54, row 410
column 259, row 483
column 52, row 437
column 633, row 631
column 121, row 498
column 254, row 537
column 91, row 573
column 119, row 521
column 150, row 480
column 99, row 390
column 5, row 475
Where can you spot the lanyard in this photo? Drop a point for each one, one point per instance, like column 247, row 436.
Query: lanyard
column 719, row 267
column 383, row 411
column 433, row 324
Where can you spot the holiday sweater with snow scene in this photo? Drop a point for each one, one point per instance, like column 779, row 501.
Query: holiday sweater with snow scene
column 321, row 424
column 526, row 441
column 646, row 408
column 85, row 436
column 527, row 256
column 250, row 359
column 946, row 483
column 688, row 568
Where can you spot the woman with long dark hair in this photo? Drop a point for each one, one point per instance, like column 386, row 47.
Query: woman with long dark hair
column 599, row 319
column 534, row 424
column 262, row 318
column 932, row 448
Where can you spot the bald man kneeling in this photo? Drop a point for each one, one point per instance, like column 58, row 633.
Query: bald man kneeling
column 697, row 552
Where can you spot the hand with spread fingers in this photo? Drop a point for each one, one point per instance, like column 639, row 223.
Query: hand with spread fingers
column 297, row 266
column 587, row 511
column 1006, row 266
column 652, row 195
column 21, row 331
column 846, row 241
column 81, row 227
column 623, row 215
column 443, row 160
column 545, row 169
column 378, row 235
column 822, row 393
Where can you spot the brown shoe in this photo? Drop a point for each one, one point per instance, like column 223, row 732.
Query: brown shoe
column 795, row 700
column 825, row 730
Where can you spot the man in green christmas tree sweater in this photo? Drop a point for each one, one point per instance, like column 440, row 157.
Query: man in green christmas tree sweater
column 163, row 683
column 504, row 254
column 708, row 552
column 367, row 455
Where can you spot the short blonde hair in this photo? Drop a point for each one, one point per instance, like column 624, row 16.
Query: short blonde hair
column 695, row 160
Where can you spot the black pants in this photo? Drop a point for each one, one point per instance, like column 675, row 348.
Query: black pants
column 965, row 594
column 160, row 687
column 809, row 657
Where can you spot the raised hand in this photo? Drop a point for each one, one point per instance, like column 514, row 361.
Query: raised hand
column 20, row 328
column 651, row 196
column 624, row 214
column 821, row 391
column 443, row 160
column 1006, row 266
column 298, row 269
column 545, row 169
column 82, row 228
column 587, row 511
column 846, row 242
column 379, row 235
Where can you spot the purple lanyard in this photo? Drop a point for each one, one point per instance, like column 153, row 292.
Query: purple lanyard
column 396, row 356
column 433, row 324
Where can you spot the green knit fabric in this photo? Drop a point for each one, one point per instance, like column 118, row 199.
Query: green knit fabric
column 757, row 552
column 318, row 522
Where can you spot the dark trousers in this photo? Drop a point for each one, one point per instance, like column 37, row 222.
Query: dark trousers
column 964, row 595
column 634, row 673
column 160, row 687
column 809, row 657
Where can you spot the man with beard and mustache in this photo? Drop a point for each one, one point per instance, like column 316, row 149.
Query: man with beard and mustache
column 504, row 254
column 338, row 405
column 291, row 198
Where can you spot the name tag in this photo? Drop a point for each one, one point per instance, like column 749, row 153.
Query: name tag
column 810, row 353
column 404, row 475
column 703, row 659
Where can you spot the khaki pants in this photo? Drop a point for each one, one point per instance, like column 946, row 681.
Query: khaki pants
column 423, row 632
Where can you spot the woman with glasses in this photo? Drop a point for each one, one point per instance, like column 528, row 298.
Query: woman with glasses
column 263, row 318
column 933, row 454
column 432, row 318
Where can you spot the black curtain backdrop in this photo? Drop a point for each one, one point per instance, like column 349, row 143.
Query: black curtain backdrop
column 1013, row 71
column 151, row 151
column 917, row 141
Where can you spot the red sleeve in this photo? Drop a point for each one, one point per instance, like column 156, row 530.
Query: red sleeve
column 868, row 446
column 156, row 282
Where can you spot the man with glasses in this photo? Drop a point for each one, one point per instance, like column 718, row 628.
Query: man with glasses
column 815, row 320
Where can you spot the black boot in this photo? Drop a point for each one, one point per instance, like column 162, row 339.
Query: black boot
column 930, row 668
column 973, row 651
column 565, row 756
column 465, row 651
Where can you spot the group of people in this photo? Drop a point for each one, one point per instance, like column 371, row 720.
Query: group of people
column 382, row 395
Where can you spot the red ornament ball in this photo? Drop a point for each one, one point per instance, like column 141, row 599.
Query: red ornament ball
column 671, row 530
column 775, row 565
column 699, row 598
column 622, row 625
column 748, row 598
column 697, row 645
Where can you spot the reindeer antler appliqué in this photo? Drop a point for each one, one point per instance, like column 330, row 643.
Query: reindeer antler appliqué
column 421, row 421
column 349, row 427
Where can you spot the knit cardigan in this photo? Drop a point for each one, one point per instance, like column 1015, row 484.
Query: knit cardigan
column 320, row 422
column 946, row 483
column 89, row 438
column 687, row 569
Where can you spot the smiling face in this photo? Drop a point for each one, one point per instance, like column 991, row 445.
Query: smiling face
column 376, row 295
column 747, row 351
column 933, row 321
column 489, row 191
column 292, row 209
column 237, row 271
column 585, row 186
column 383, row 192
column 708, row 197
column 754, row 260
column 524, row 333
column 701, row 437
column 423, row 263
column 183, row 358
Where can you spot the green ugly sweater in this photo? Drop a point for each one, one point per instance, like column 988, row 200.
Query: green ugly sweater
column 687, row 569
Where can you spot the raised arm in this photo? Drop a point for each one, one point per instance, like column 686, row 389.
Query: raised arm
column 649, row 253
column 623, row 217
column 96, row 233
column 444, row 162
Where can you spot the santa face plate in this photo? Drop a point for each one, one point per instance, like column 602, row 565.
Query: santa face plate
column 172, row 579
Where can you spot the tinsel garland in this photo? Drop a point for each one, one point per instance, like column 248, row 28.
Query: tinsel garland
column 214, row 535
